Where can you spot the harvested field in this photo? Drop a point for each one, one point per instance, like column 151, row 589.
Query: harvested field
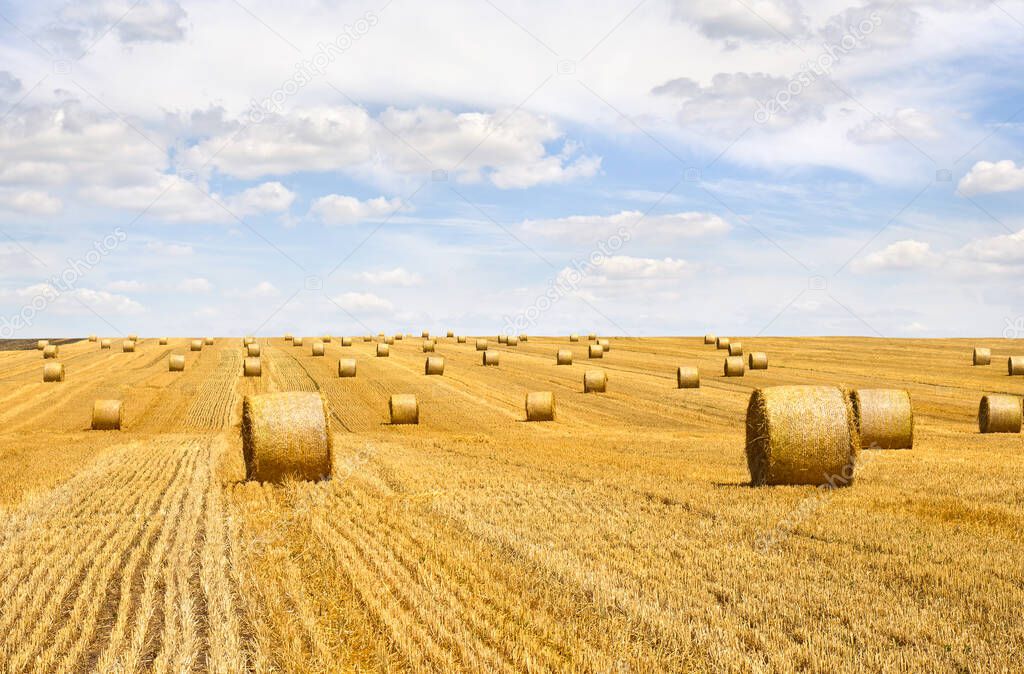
column 621, row 537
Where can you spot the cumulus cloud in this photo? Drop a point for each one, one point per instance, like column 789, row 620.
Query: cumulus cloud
column 364, row 303
column 29, row 202
column 80, row 25
column 195, row 285
column 70, row 301
column 624, row 267
column 1005, row 250
column 339, row 209
column 985, row 177
column 391, row 277
column 590, row 228
column 904, row 123
column 774, row 20
column 899, row 256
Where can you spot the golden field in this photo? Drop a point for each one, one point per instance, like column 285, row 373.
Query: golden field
column 622, row 537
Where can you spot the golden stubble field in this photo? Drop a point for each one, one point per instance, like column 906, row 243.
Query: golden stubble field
column 623, row 537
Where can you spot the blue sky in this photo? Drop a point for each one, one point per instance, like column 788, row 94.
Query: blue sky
column 661, row 167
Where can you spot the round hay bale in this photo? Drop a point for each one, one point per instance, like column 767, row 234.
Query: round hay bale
column 127, row 346
column 404, row 409
column 247, row 340
column 51, row 351
column 687, row 377
column 133, row 337
column 757, row 360
column 399, row 336
column 606, row 345
column 434, row 365
column 318, row 349
column 367, row 338
column 253, row 350
column 196, row 345
column 297, row 341
column 107, row 415
column 481, row 345
column 982, row 356
column 346, row 341
column 564, row 357
column 710, row 338
column 288, row 337
column 163, row 341
column 722, row 343
column 425, row 334
column 595, row 381
column 734, row 366
column 389, row 340
column 735, row 348
column 885, row 418
column 801, row 435
column 450, row 334
column 491, row 357
column 208, row 341
column 92, row 338
column 999, row 414
column 524, row 338
column 429, row 346
column 502, row 339
column 53, row 372
column 1015, row 365
column 592, row 336
column 540, row 406
column 286, row 435
column 595, row 351
column 461, row 339
column 512, row 340
column 252, row 367
column 326, row 339
column 347, row 367
column 105, row 343
column 42, row 344
column 176, row 362
column 383, row 350
column 574, row 337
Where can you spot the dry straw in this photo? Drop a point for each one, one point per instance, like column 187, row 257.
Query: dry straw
column 982, row 356
column 347, row 367
column 163, row 341
column 133, row 337
column 107, row 415
column 605, row 344
column 247, row 340
column 346, row 341
column 252, row 367
column 389, row 340
column 176, row 362
column 196, row 345
column 461, row 339
column 383, row 350
column 710, row 338
column 286, row 435
column 734, row 366
column 564, row 357
column 367, row 338
column 481, row 345
column 53, row 372
column 595, row 351
column 885, row 418
column 92, row 338
column 404, row 409
column 999, row 414
column 51, row 351
column 524, row 338
column 127, row 346
column 434, row 365
column 105, row 343
column 502, row 339
column 592, row 336
column 297, row 341
column 318, row 348
column 253, row 350
column 326, row 339
column 687, row 377
column 722, row 343
column 288, row 337
column 595, row 381
column 42, row 344
column 1015, row 365
column 425, row 334
column 512, row 340
column 540, row 406
column 735, row 348
column 574, row 337
column 399, row 336
column 801, row 435
column 208, row 341
column 451, row 333
column 758, row 360
column 429, row 346
column 491, row 357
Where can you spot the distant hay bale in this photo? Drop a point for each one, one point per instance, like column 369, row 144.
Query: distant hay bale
column 53, row 372
column 574, row 337
column 801, row 435
column 92, row 338
column 404, row 409
column 757, row 360
column 163, row 341
column 982, row 356
column 286, row 435
column 1015, row 365
column 196, row 345
column 297, row 341
column 595, row 381
column 451, row 333
column 398, row 336
column 252, row 367
column 687, row 377
column 722, row 343
column 512, row 340
column 564, row 357
column 367, row 338
column 461, row 339
column 326, row 339
column 42, row 344
column 383, row 350
column 318, row 349
column 389, row 340
column 105, row 343
column 133, row 337
column 434, row 365
column 346, row 341
column 999, row 414
column 502, row 339
column 885, row 418
column 491, row 357
column 347, row 367
column 606, row 345
column 51, row 351
column 176, row 362
column 107, row 415
column 127, row 346
column 481, row 345
column 425, row 334
column 208, row 341
column 253, row 350
column 595, row 351
column 735, row 348
column 247, row 340
column 734, row 366
column 710, row 338
column 288, row 337
column 524, row 338
column 592, row 336
column 429, row 346
column 540, row 406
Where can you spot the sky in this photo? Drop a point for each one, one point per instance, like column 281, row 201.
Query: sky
column 748, row 167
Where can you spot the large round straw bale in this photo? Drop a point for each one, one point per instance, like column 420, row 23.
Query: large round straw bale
column 606, row 345
column 1015, row 365
column 512, row 340
column 722, row 343
column 428, row 346
column 297, row 341
column 253, row 350
column 105, row 343
column 502, row 339
column 127, row 346
column 176, row 362
column 434, row 365
column 574, row 337
column 383, row 350
column 540, row 406
column 982, row 356
column 163, row 341
column 735, row 348
column 318, row 348
column 326, row 339
column 399, row 336
column 592, row 336
column 450, row 334
column 595, row 351
column 999, row 413
column 757, row 360
column 51, row 351
column 404, row 409
column 42, row 344
column 389, row 340
column 107, row 415
column 286, row 435
column 491, row 357
column 53, row 372
column 288, row 337
column 687, row 377
column 196, row 345
column 564, row 357
column 734, row 366
column 885, row 418
column 247, row 340
column 425, row 334
column 710, row 338
column 208, row 341
column 481, row 345
column 252, row 367
column 133, row 337
column 524, row 338
column 346, row 341
column 461, row 339
column 367, row 338
column 347, row 367
column 92, row 338
column 595, row 381
column 801, row 435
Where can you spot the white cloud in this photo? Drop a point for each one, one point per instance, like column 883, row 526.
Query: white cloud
column 339, row 209
column 364, row 303
column 195, row 285
column 266, row 198
column 80, row 25
column 904, row 123
column 1007, row 249
column 126, row 286
column 902, row 255
column 264, row 289
column 70, row 301
column 775, row 20
column 30, row 202
column 169, row 249
column 391, row 277
column 623, row 267
column 591, row 228
column 985, row 177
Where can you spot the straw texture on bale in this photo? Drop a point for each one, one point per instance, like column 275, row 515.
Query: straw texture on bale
column 42, row 344
column 451, row 333
column 288, row 337
column 512, row 340
column 53, row 372
column 710, row 338
column 491, row 357
column 347, row 367
column 107, row 415
column 196, row 345
column 133, row 337
column 595, row 381
column 297, row 341
column 176, row 363
column 595, row 351
column 246, row 341
column 687, row 377
column 757, row 360
column 346, row 341
column 389, row 340
column 1000, row 414
column 208, row 341
column 481, row 345
column 461, row 339
column 399, row 336
column 163, row 341
column 318, row 348
column 524, row 338
column 92, row 338
column 105, row 344
column 734, row 366
column 574, row 338
column 982, row 356
column 605, row 344
column 383, row 350
column 564, row 357
column 326, row 339
column 735, row 348
column 428, row 346
column 252, row 367
column 885, row 418
column 425, row 334
column 502, row 339
column 127, row 346
column 404, row 409
column 1015, row 365
column 592, row 336
column 722, row 343
column 286, row 435
column 51, row 351
column 540, row 406
column 434, row 365
column 801, row 435
column 367, row 338
column 253, row 350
